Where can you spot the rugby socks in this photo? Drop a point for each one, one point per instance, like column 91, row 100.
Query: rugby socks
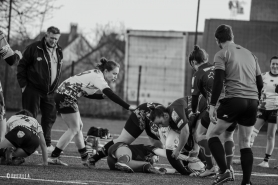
column 56, row 152
column 229, row 150
column 217, row 150
column 205, row 148
column 266, row 158
column 83, row 153
column 103, row 152
column 177, row 164
column 246, row 157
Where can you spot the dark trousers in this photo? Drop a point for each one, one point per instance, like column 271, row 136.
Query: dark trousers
column 33, row 101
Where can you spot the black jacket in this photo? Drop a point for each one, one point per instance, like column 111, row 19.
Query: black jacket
column 34, row 69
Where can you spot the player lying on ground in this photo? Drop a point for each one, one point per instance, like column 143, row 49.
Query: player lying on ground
column 24, row 135
column 177, row 134
column 138, row 158
column 138, row 121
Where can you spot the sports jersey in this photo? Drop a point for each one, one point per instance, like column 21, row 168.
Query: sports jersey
column 177, row 115
column 24, row 121
column 5, row 49
column 83, row 84
column 241, row 68
column 269, row 99
column 142, row 113
column 202, row 81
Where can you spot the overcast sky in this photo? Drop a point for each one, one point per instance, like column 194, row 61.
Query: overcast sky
column 177, row 15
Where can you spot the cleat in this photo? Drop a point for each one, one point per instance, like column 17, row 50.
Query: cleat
column 221, row 178
column 233, row 174
column 88, row 161
column 237, row 161
column 160, row 171
column 264, row 164
column 209, row 172
column 36, row 152
column 56, row 161
column 8, row 155
column 18, row 160
column 123, row 167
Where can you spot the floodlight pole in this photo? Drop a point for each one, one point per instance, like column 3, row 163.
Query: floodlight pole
column 197, row 20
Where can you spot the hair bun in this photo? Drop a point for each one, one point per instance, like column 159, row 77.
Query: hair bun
column 196, row 48
column 103, row 60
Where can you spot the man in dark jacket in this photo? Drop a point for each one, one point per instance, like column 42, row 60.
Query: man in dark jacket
column 38, row 74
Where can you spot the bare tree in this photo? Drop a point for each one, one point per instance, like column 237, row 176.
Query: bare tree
column 26, row 15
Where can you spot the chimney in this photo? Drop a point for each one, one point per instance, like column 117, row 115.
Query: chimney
column 73, row 31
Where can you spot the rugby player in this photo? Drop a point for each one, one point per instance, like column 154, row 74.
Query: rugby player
column 238, row 70
column 24, row 135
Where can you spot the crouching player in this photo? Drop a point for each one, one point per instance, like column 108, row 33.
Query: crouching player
column 24, row 135
column 174, row 129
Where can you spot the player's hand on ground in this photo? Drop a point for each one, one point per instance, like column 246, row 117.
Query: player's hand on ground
column 212, row 114
column 175, row 154
column 132, row 107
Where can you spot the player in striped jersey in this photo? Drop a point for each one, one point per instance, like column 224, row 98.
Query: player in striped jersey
column 11, row 57
column 24, row 135
column 268, row 107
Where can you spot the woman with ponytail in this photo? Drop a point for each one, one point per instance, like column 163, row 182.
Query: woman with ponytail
column 85, row 84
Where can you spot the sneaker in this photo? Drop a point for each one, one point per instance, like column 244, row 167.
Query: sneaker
column 8, row 155
column 56, row 161
column 208, row 172
column 18, row 160
column 221, row 178
column 233, row 174
column 237, row 161
column 160, row 171
column 123, row 167
column 264, row 164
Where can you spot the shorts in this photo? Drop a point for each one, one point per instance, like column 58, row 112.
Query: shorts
column 205, row 121
column 240, row 110
column 135, row 127
column 24, row 138
column 65, row 104
column 268, row 115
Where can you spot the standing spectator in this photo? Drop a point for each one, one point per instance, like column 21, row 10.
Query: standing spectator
column 10, row 57
column 38, row 74
column 268, row 109
column 238, row 69
column 84, row 84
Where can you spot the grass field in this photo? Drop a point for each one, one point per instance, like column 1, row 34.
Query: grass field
column 75, row 173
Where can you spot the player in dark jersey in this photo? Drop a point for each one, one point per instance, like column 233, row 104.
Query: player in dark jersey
column 137, row 122
column 238, row 70
column 174, row 116
column 202, row 83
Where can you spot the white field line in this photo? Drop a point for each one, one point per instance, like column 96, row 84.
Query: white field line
column 68, row 182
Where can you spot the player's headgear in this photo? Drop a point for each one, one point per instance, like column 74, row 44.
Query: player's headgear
column 197, row 166
column 25, row 112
